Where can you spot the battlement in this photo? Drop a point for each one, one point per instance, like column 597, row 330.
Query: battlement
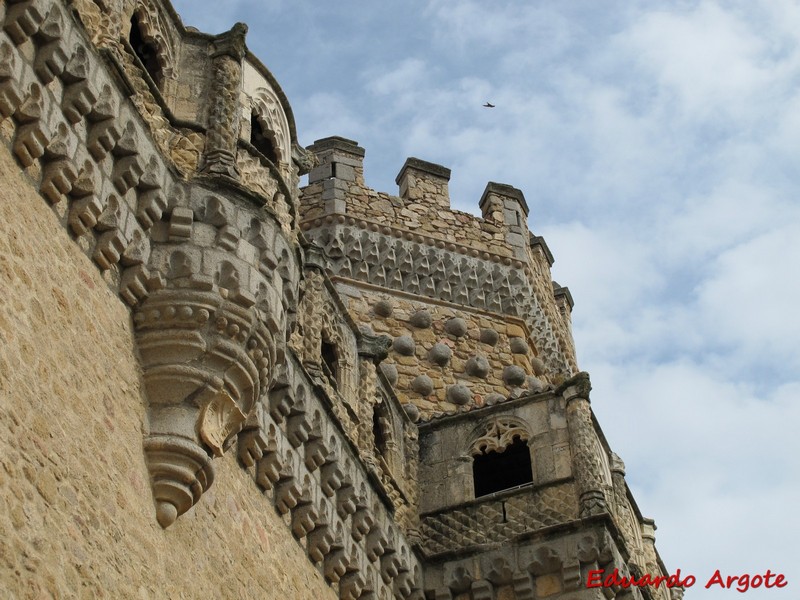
column 422, row 206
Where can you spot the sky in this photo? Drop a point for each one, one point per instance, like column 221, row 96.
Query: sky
column 657, row 147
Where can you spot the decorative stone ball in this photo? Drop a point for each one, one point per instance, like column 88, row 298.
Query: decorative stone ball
column 421, row 319
column 440, row 354
column 535, row 385
column 477, row 366
column 390, row 372
column 412, row 411
column 383, row 308
column 489, row 336
column 423, row 385
column 538, row 365
column 518, row 345
column 459, row 394
column 494, row 398
column 456, row 326
column 513, row 376
column 404, row 345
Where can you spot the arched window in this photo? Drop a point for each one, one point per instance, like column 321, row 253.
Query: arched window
column 261, row 141
column 501, row 457
column 145, row 51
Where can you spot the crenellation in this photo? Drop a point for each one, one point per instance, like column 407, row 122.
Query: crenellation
column 424, row 183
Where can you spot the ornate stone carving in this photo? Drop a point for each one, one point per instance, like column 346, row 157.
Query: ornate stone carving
column 374, row 347
column 156, row 32
column 489, row 523
column 497, row 434
column 223, row 120
column 459, row 394
column 181, row 471
column 269, row 113
column 586, row 451
column 393, row 260
column 212, row 281
column 477, row 366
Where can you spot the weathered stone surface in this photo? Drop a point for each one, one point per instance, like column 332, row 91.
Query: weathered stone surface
column 478, row 366
column 489, row 336
column 390, row 371
column 513, row 376
column 534, row 384
column 423, row 385
column 459, row 394
column 383, row 308
column 456, row 327
column 404, row 344
column 518, row 345
column 421, row 319
column 538, row 366
column 412, row 411
column 494, row 398
column 440, row 354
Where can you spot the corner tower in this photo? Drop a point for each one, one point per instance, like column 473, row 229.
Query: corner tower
column 519, row 495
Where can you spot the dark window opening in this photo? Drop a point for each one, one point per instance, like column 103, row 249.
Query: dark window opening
column 330, row 360
column 496, row 471
column 377, row 431
column 261, row 141
column 145, row 51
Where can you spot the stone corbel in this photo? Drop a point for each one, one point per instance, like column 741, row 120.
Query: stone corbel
column 304, row 159
column 374, row 348
column 208, row 354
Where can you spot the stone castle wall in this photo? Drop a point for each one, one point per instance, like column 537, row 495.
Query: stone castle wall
column 76, row 514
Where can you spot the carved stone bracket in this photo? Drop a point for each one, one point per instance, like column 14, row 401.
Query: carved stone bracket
column 374, row 347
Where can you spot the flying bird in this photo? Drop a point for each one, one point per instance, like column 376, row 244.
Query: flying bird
column 488, row 105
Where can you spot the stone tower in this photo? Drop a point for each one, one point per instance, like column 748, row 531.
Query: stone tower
column 482, row 360
column 385, row 390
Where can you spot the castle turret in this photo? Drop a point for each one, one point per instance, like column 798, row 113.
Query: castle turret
column 506, row 204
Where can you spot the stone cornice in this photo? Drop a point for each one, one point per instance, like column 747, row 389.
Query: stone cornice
column 407, row 234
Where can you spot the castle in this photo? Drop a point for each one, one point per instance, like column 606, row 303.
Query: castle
column 216, row 383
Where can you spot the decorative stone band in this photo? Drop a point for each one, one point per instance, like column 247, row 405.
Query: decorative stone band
column 586, row 450
column 536, row 568
column 400, row 233
column 425, row 269
column 305, row 463
column 489, row 522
